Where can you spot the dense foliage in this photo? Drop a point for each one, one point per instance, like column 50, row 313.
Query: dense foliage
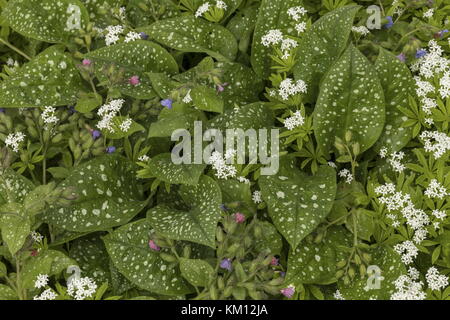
column 93, row 206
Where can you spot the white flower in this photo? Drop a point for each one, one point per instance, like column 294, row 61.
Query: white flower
column 125, row 125
column 113, row 34
column 202, row 9
column 338, row 295
column 108, row 112
column 218, row 162
column 48, row 294
column 36, row 236
column 439, row 146
column 407, row 250
column 81, row 288
column 272, row 37
column 14, row 139
column 289, row 88
column 345, row 173
column 444, row 83
column 243, row 180
column 436, row 190
column 420, row 235
column 41, row 281
column 144, row 158
column 332, row 164
column 429, row 13
column 221, row 5
column 432, row 63
column 383, row 152
column 132, row 36
column 296, row 13
column 49, row 116
column 256, row 197
column 361, row 30
column 10, row 62
column 408, row 289
column 435, row 280
column 441, row 215
column 295, row 121
column 187, row 98
column 287, row 45
column 300, row 27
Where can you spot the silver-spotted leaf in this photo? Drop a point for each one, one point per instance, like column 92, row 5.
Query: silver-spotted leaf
column 130, row 253
column 198, row 272
column 298, row 203
column 321, row 46
column 7, row 293
column 270, row 240
column 107, row 196
column 398, row 84
column 207, row 99
column 15, row 227
column 14, row 187
column 351, row 99
column 196, row 225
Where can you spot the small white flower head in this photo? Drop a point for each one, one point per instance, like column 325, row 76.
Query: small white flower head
column 13, row 140
column 295, row 121
column 81, row 288
column 300, row 27
column 436, row 190
column 296, row 13
column 407, row 250
column 332, row 164
column 10, row 62
column 257, row 197
column 287, row 44
column 49, row 116
column 408, row 289
column 126, row 125
column 436, row 142
column 113, row 34
column 345, row 173
column 338, row 295
column 243, row 180
column 202, row 9
column 290, row 88
column 444, row 83
column 429, row 13
column 440, row 215
column 108, row 112
column 362, row 30
column 144, row 158
column 388, row 188
column 221, row 5
column 436, row 280
column 395, row 161
column 48, row 294
column 219, row 164
column 132, row 36
column 187, row 98
column 36, row 236
column 41, row 281
column 272, row 37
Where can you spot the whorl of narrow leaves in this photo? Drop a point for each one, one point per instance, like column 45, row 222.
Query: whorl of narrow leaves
column 165, row 170
column 47, row 20
column 50, row 79
column 322, row 45
column 398, row 84
column 351, row 99
column 365, row 288
column 129, row 251
column 316, row 263
column 198, row 272
column 190, row 34
column 272, row 15
column 134, row 59
column 107, row 196
column 297, row 203
column 196, row 225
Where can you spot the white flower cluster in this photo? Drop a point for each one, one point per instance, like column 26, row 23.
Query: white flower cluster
column 394, row 159
column 444, row 83
column 429, row 13
column 243, row 180
column 338, row 295
column 108, row 112
column 206, row 6
column 407, row 250
column 408, row 287
column 132, row 36
column 126, row 125
column 296, row 13
column 41, row 281
column 257, row 197
column 36, row 236
column 187, row 98
column 436, row 142
column 435, row 280
column 436, row 190
column 221, row 5
column 423, row 88
column 144, row 158
column 219, row 164
column 295, row 121
column 290, row 88
column 432, row 63
column 14, row 139
column 49, row 115
column 275, row 37
column 113, row 34
column 81, row 288
column 361, row 30
column 47, row 294
column 345, row 173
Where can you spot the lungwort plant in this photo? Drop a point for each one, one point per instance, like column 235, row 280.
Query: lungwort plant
column 115, row 182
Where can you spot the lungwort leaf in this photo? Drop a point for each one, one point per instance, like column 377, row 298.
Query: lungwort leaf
column 13, row 187
column 351, row 99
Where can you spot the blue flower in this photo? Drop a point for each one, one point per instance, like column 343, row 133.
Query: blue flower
column 2, row 110
column 226, row 264
column 401, row 57
column 442, row 32
column 167, row 103
column 143, row 35
column 111, row 149
column 420, row 53
column 96, row 134
column 390, row 23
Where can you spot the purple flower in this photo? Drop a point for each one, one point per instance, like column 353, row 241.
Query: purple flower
column 96, row 134
column 274, row 261
column 134, row 80
column 288, row 292
column 221, row 87
column 442, row 32
column 402, row 57
column 167, row 103
column 152, row 244
column 390, row 22
column 226, row 264
column 420, row 53
column 111, row 149
column 223, row 207
column 143, row 35
column 72, row 110
column 2, row 110
column 87, row 62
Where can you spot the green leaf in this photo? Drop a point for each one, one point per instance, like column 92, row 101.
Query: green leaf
column 88, row 102
column 270, row 239
column 50, row 79
column 390, row 266
column 398, row 84
column 15, row 230
column 365, row 224
column 134, row 58
column 189, row 34
column 118, row 132
column 196, row 225
column 163, row 168
column 198, row 272
column 13, row 187
column 47, row 20
column 272, row 15
column 321, row 46
column 108, row 196
column 206, row 98
column 6, row 293
column 313, row 263
column 298, row 203
column 129, row 251
column 350, row 99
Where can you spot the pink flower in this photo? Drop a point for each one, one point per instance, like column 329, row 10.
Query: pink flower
column 239, row 217
column 288, row 292
column 86, row 62
column 274, row 261
column 153, row 245
column 134, row 80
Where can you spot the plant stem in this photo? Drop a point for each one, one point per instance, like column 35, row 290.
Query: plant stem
column 23, row 54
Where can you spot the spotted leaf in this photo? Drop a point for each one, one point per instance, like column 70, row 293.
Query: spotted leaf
column 351, row 99
column 6, row 293
column 398, row 84
column 198, row 272
column 130, row 253
column 107, row 196
column 189, row 34
column 316, row 263
column 196, row 225
column 321, row 46
column 15, row 226
column 133, row 59
column 50, row 79
column 14, row 187
column 47, row 20
column 298, row 203
column 207, row 99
